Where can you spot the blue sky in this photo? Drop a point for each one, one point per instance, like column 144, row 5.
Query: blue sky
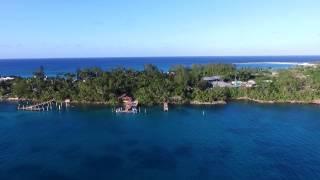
column 97, row 28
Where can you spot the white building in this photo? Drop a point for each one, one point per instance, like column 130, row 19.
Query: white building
column 212, row 78
column 6, row 79
column 221, row 84
column 216, row 81
column 251, row 83
column 237, row 83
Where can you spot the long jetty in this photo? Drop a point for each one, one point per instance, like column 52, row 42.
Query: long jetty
column 43, row 106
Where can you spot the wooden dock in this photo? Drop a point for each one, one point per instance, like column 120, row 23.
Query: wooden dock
column 43, row 106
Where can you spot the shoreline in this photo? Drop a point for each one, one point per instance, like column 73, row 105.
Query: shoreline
column 316, row 101
column 222, row 102
column 208, row 103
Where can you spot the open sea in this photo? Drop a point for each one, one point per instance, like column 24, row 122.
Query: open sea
column 237, row 141
column 25, row 67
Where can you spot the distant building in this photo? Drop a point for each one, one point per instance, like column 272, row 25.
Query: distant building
column 251, row 83
column 221, row 84
column 274, row 73
column 216, row 81
column 6, row 79
column 129, row 106
column 171, row 73
column 237, row 83
column 212, row 78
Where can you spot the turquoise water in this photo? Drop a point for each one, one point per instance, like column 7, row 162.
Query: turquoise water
column 235, row 141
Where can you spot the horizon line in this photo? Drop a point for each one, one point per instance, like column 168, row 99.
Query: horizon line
column 134, row 57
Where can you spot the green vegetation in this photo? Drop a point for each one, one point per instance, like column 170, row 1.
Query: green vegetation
column 180, row 85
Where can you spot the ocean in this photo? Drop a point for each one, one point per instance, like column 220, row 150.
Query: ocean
column 25, row 67
column 237, row 141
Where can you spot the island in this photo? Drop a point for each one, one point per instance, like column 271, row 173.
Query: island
column 198, row 84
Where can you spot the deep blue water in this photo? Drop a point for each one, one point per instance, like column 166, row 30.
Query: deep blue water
column 25, row 67
column 238, row 141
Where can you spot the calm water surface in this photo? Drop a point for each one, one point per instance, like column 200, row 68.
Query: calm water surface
column 25, row 67
column 236, row 141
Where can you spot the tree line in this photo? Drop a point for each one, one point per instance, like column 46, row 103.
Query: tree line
column 180, row 84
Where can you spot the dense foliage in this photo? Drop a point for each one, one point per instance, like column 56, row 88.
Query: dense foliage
column 179, row 85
